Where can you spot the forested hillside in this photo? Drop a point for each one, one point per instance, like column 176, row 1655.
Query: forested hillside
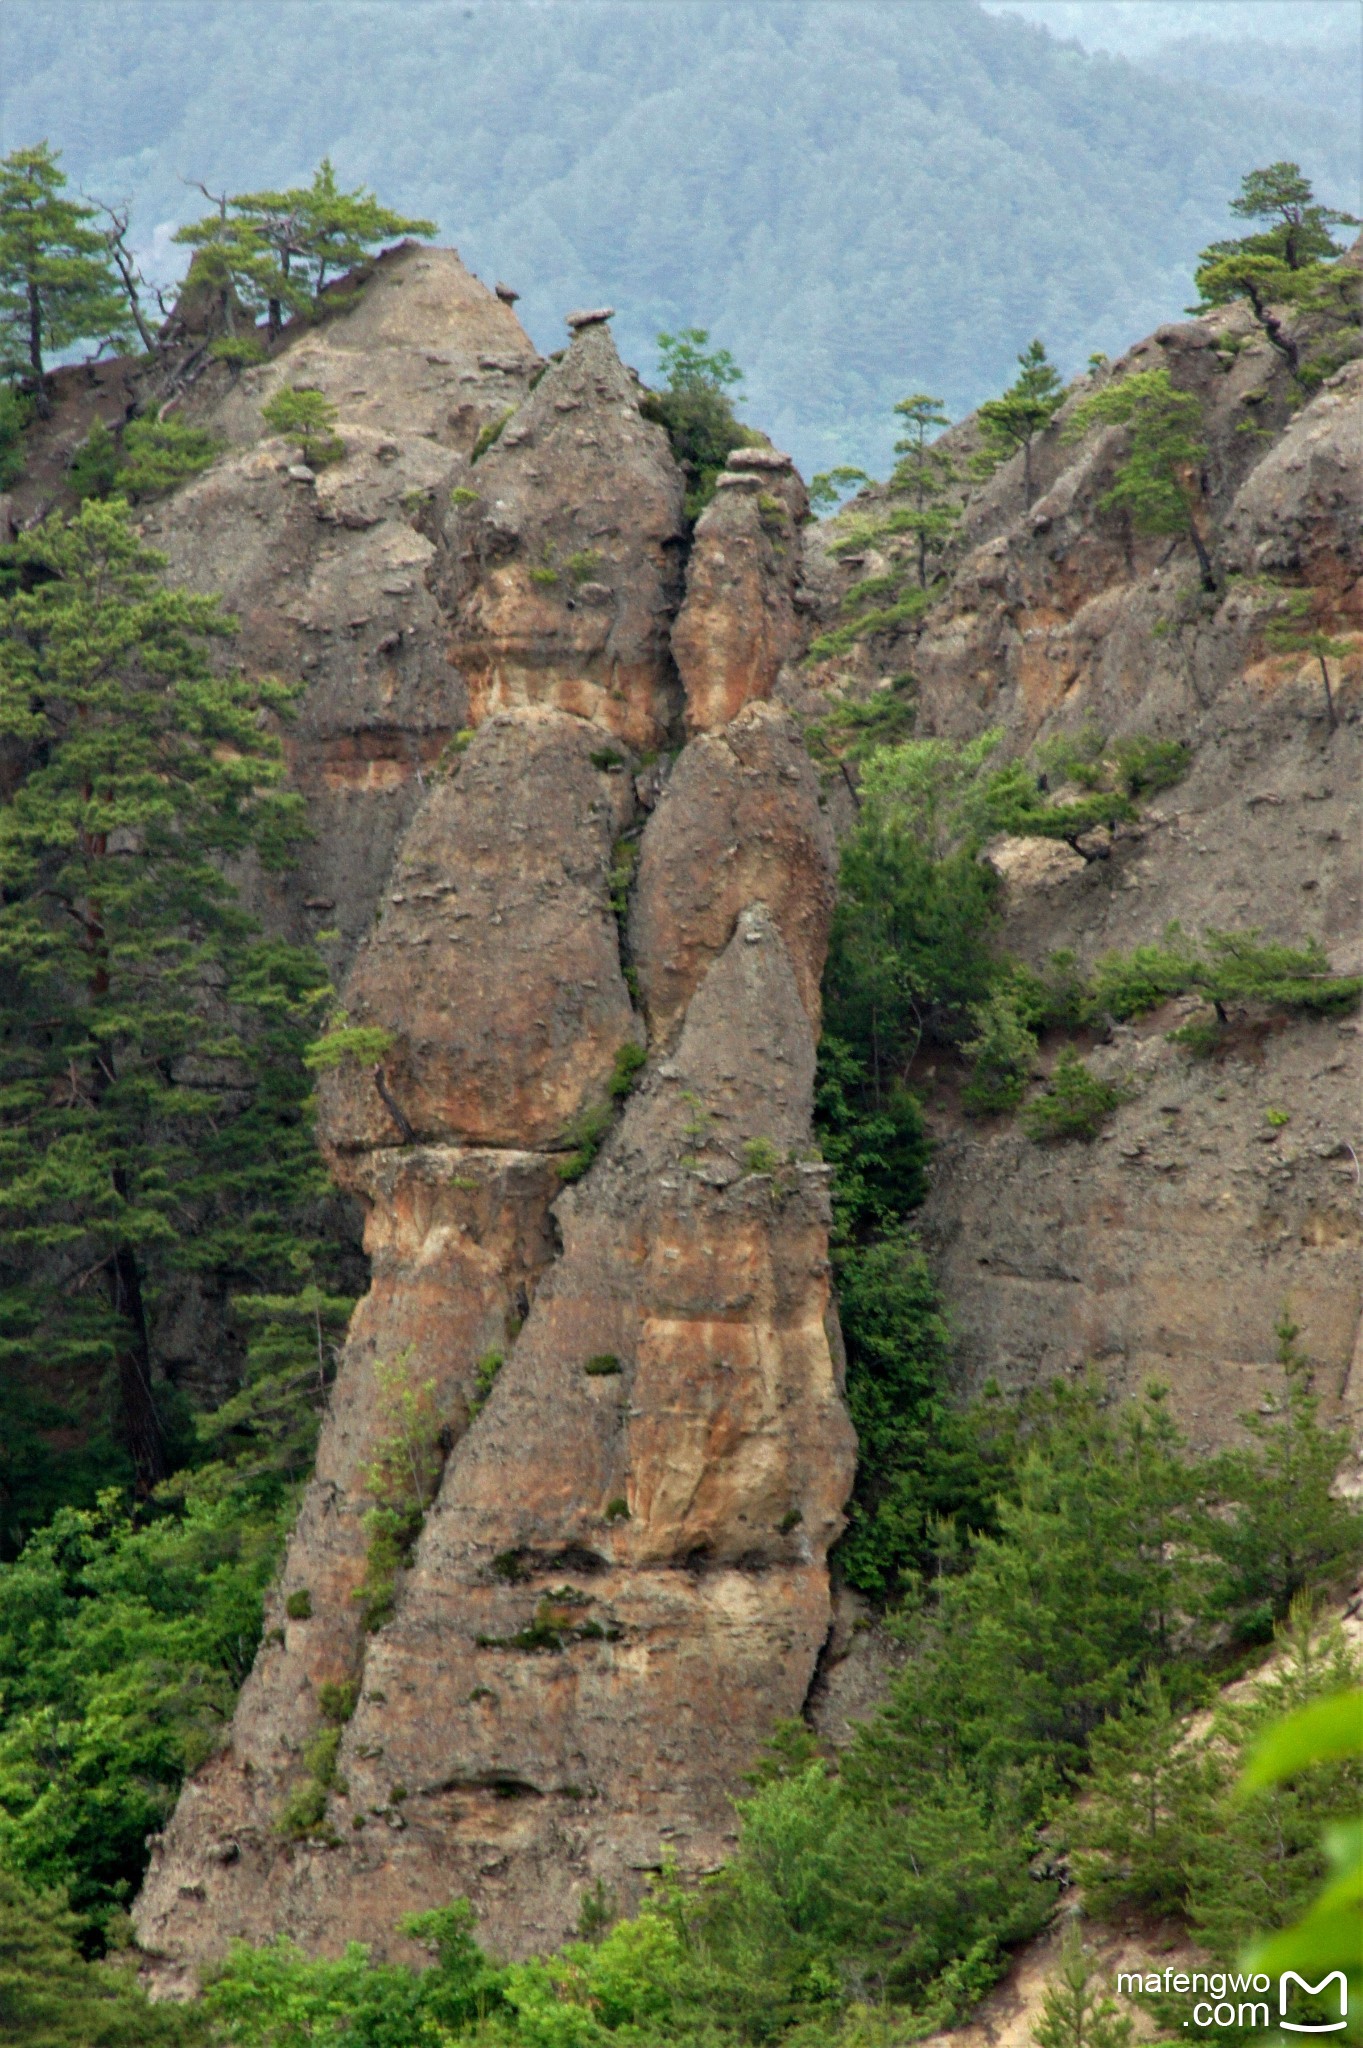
column 858, row 200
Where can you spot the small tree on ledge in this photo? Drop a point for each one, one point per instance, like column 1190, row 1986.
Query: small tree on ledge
column 1025, row 410
column 307, row 416
column 1159, row 484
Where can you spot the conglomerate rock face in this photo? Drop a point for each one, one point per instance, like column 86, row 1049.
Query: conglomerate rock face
column 629, row 1382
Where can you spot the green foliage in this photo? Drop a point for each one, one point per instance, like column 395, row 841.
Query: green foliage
column 93, row 471
column 583, row 564
column 1287, row 1531
column 273, row 252
column 1075, row 2013
column 697, row 411
column 921, row 1463
column 630, row 1061
column 308, row 417
column 1071, row 1626
column 154, row 1120
column 401, row 1480
column 1025, row 410
column 851, row 730
column 689, row 365
column 1186, row 1821
column 50, row 1997
column 490, row 433
column 880, row 619
column 277, row 1997
column 1073, row 1104
column 924, row 474
column 761, row 1156
column 1289, row 264
column 238, row 351
column 484, row 1378
column 1296, row 631
column 58, row 284
column 624, row 858
column 122, row 1644
column 1234, row 968
column 1298, row 225
column 1013, row 800
column 1002, row 1056
column 604, row 1365
column 584, row 1137
column 829, row 486
column 341, row 1042
column 152, row 457
column 158, row 454
column 909, row 952
column 1158, row 483
column 1136, row 765
column 15, row 413
column 1323, row 1733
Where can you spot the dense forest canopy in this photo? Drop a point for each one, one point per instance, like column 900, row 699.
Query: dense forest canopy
column 858, row 200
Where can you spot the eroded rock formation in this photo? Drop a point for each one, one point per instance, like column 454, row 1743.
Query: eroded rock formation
column 1169, row 1247
column 621, row 1581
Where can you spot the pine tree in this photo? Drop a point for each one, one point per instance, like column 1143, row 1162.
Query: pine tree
column 1159, row 483
column 51, row 1998
column 1284, row 262
column 275, row 250
column 924, row 474
column 1025, row 410
column 57, row 280
column 1074, row 2013
column 1280, row 1529
column 1151, row 1790
column 152, row 1094
column 1294, row 631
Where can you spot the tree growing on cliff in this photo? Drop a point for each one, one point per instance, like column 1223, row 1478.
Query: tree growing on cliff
column 1296, row 631
column 275, row 251
column 152, row 1093
column 697, row 410
column 1284, row 263
column 1025, row 410
column 1159, row 482
column 308, row 417
column 924, row 475
column 57, row 280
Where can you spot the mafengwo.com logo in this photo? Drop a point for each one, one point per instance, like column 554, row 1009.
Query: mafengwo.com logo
column 1226, row 1999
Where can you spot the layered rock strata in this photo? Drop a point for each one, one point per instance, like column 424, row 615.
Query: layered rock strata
column 632, row 1380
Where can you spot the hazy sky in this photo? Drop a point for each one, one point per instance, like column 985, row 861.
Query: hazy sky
column 1133, row 26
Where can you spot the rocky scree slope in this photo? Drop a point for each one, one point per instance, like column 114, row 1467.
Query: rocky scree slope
column 1170, row 1245
column 618, row 1400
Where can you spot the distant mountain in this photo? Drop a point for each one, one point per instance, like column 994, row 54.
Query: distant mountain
column 859, row 200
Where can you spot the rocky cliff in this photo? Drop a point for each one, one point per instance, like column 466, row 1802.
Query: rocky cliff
column 580, row 867
column 1171, row 1245
column 614, row 1340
